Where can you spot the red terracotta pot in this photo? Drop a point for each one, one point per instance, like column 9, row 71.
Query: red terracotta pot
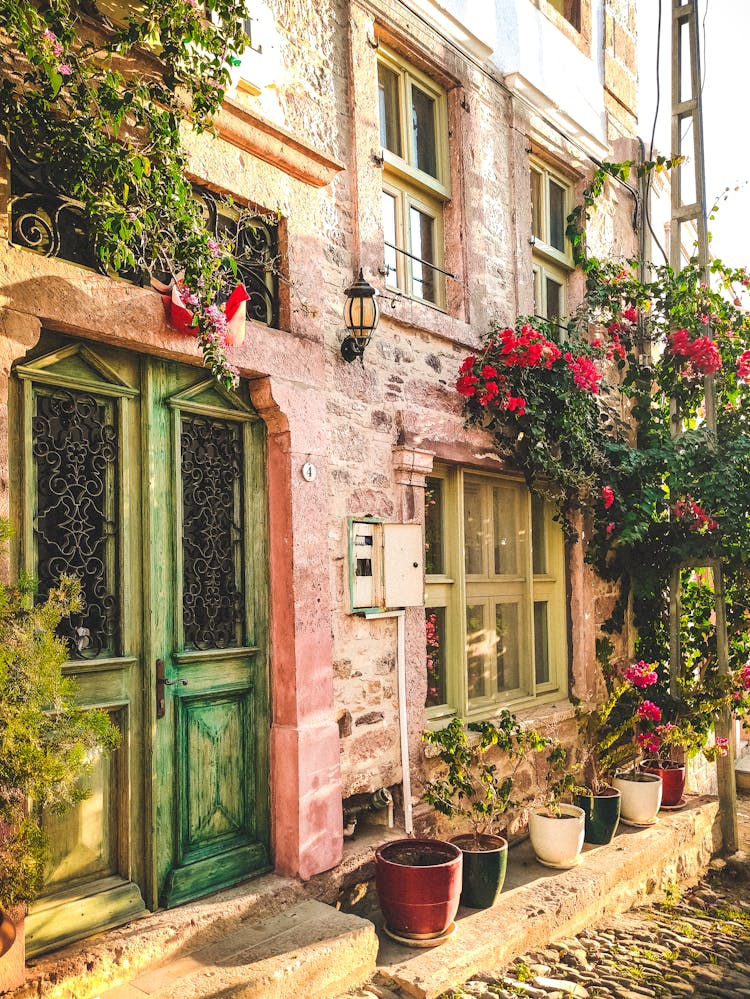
column 672, row 779
column 419, row 885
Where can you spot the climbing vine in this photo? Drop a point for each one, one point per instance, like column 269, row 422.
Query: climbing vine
column 609, row 424
column 105, row 103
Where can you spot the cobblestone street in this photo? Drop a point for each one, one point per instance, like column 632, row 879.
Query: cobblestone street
column 695, row 942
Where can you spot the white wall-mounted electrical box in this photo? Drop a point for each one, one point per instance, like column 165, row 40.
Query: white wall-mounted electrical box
column 386, row 565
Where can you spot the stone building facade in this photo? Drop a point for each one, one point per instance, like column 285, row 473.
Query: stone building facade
column 437, row 145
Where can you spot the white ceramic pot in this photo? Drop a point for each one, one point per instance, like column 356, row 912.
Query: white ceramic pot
column 641, row 798
column 557, row 842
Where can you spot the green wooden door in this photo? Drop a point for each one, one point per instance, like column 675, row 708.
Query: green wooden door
column 146, row 480
column 204, row 521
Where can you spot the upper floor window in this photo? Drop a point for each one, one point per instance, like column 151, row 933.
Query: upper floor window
column 495, row 615
column 570, row 10
column 414, row 140
column 552, row 258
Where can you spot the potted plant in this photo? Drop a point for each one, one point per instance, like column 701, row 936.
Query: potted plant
column 556, row 827
column 46, row 742
column 597, row 797
column 475, row 787
column 418, row 882
column 632, row 714
column 659, row 744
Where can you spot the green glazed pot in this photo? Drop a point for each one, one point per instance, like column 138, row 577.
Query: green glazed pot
column 484, row 869
column 602, row 813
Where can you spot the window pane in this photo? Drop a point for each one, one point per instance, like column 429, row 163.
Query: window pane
column 433, row 527
column 541, row 642
column 506, row 638
column 538, row 535
column 474, row 530
column 390, row 118
column 554, row 298
column 476, row 642
column 505, row 524
column 536, row 205
column 435, row 636
column 423, row 130
column 556, row 216
column 389, row 236
column 423, row 247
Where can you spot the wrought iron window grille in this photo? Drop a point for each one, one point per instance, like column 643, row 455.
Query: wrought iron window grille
column 45, row 220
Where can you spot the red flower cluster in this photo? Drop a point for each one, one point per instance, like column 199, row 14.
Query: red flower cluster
column 515, row 404
column 585, row 375
column 527, row 349
column 702, row 353
column 696, row 517
column 630, row 314
column 608, row 496
column 649, row 710
column 641, row 674
column 743, row 366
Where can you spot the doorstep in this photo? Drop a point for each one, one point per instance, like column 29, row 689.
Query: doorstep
column 97, row 965
column 539, row 904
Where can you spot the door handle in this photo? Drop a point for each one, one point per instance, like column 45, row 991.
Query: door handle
column 161, row 683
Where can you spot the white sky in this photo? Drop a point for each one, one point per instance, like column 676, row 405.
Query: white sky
column 725, row 63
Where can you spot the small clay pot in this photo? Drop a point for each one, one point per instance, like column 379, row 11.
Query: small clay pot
column 672, row 779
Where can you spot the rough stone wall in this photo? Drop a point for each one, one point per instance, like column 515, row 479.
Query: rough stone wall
column 620, row 67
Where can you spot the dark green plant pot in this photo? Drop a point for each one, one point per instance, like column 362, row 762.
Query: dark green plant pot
column 602, row 813
column 484, row 869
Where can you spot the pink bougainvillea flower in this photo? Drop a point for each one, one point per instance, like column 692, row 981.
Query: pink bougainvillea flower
column 64, row 69
column 585, row 375
column 722, row 745
column 641, row 674
column 610, row 526
column 702, row 354
column 608, row 496
column 649, row 710
column 693, row 514
column 630, row 314
column 649, row 741
column 743, row 366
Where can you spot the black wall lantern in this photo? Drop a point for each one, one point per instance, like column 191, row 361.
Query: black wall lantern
column 361, row 314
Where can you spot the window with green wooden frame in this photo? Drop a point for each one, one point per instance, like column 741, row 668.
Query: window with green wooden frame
column 414, row 142
column 496, row 630
column 552, row 261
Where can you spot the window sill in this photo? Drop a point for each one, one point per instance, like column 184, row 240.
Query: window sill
column 541, row 713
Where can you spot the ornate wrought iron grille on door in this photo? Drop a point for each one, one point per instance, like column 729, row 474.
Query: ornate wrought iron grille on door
column 75, row 452
column 212, row 467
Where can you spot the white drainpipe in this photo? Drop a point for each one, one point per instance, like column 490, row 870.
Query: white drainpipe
column 403, row 727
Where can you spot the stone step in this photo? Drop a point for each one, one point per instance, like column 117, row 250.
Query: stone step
column 310, row 950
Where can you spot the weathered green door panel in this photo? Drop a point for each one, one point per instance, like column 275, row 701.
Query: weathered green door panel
column 210, row 831
column 213, row 746
column 219, row 871
column 181, row 808
column 79, row 424
column 116, row 903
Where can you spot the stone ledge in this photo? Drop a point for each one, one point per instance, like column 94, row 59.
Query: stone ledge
column 85, row 969
column 539, row 905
